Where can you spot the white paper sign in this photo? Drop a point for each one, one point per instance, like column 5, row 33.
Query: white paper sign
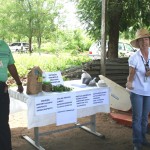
column 66, row 100
column 66, row 108
column 100, row 97
column 65, row 104
column 55, row 78
column 84, row 99
column 45, row 105
column 66, row 116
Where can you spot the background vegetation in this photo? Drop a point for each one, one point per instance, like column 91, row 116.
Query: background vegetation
column 48, row 62
column 122, row 17
column 42, row 23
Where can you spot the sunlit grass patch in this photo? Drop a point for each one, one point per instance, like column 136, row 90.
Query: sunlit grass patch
column 48, row 62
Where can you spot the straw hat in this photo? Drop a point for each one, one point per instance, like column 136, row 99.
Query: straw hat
column 141, row 33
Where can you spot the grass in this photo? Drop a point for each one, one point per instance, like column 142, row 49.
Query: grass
column 48, row 62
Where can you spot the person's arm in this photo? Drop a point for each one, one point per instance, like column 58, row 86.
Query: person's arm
column 13, row 71
column 130, row 78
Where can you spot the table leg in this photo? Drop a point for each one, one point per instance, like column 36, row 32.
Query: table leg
column 34, row 142
column 93, row 123
column 36, row 136
column 92, row 128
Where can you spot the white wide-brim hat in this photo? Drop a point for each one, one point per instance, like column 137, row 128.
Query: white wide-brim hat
column 141, row 33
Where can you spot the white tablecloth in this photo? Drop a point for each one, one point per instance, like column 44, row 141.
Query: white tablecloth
column 46, row 119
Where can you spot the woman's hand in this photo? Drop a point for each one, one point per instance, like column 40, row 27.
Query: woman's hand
column 129, row 85
column 130, row 78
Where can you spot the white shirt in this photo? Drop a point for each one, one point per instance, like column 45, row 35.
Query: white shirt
column 140, row 85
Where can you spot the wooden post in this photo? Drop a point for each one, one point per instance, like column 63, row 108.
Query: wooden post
column 103, row 38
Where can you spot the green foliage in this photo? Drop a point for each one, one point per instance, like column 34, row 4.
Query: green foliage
column 27, row 18
column 61, row 88
column 46, row 82
column 121, row 16
column 89, row 12
column 39, row 22
column 134, row 14
column 66, row 40
column 76, row 40
column 47, row 62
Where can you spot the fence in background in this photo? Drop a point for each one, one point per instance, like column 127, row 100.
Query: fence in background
column 116, row 69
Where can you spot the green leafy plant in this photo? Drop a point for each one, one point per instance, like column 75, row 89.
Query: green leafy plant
column 48, row 62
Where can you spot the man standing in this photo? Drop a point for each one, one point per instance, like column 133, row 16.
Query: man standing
column 6, row 64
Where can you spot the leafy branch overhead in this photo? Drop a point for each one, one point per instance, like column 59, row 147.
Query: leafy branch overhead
column 124, row 16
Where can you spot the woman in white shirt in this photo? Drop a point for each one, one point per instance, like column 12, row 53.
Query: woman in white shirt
column 138, row 82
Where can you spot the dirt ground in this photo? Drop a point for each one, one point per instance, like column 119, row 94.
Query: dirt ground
column 117, row 137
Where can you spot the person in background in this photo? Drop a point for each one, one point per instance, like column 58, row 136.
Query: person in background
column 6, row 64
column 138, row 83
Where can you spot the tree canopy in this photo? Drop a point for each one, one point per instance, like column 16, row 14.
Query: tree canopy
column 27, row 18
column 122, row 16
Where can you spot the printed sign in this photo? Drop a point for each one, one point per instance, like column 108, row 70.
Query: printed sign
column 65, row 100
column 55, row 78
column 45, row 105
column 66, row 116
column 66, row 108
column 84, row 99
column 65, row 104
column 100, row 97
